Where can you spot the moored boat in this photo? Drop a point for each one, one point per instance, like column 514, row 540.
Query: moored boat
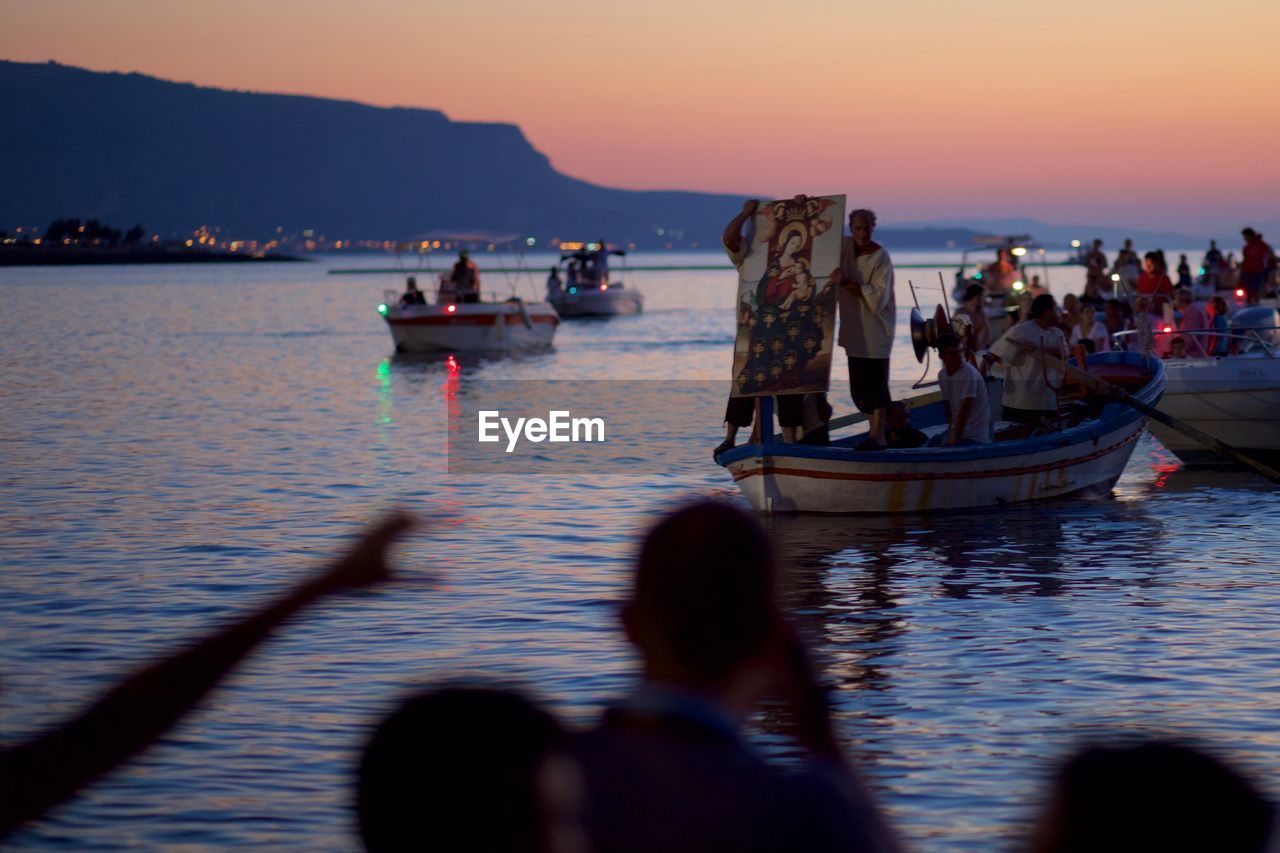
column 452, row 326
column 1235, row 398
column 1002, row 281
column 1085, row 457
column 587, row 290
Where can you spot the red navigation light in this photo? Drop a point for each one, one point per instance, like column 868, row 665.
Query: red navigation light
column 452, row 308
column 452, row 364
column 1168, row 329
column 604, row 287
column 1240, row 292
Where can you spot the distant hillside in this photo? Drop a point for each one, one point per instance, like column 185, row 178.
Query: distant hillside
column 1061, row 235
column 127, row 148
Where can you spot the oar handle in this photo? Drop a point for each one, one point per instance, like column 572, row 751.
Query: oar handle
column 1095, row 384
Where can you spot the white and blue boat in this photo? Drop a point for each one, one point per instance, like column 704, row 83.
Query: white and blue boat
column 1084, row 458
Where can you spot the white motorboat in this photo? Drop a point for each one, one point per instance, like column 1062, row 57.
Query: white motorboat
column 586, row 289
column 452, row 326
column 1004, row 281
column 1235, row 398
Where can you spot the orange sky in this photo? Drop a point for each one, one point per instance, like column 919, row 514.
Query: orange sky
column 1156, row 114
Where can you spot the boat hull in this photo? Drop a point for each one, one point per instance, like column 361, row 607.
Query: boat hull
column 484, row 326
column 1082, row 461
column 592, row 302
column 1234, row 399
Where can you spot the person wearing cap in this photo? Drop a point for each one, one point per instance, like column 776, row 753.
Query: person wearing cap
column 466, row 278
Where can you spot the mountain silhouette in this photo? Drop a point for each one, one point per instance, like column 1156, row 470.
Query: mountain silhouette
column 129, row 148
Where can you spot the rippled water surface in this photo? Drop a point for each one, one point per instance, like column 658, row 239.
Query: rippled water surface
column 178, row 443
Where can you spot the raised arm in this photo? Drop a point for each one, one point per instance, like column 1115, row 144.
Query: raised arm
column 733, row 231
column 39, row 774
column 807, row 697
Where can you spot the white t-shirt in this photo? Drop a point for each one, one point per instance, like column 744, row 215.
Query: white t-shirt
column 867, row 318
column 965, row 384
column 1098, row 334
column 1029, row 381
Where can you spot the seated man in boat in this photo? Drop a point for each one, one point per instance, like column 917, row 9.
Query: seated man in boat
column 466, row 278
column 1031, row 382
column 412, row 296
column 898, row 431
column 555, row 288
column 964, row 397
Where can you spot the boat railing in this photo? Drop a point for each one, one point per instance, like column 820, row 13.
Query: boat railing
column 1201, row 343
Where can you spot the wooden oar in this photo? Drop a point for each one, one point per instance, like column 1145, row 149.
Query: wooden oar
column 1095, row 384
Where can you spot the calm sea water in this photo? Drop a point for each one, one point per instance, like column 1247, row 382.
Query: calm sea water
column 178, row 443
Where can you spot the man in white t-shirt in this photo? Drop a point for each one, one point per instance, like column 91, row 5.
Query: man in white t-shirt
column 964, row 392
column 867, row 314
column 1031, row 382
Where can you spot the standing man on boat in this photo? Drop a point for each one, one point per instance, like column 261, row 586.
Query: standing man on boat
column 466, row 278
column 1095, row 263
column 1256, row 261
column 600, row 261
column 867, row 315
column 740, row 411
column 1031, row 382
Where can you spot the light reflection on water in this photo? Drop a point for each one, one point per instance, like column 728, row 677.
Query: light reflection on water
column 185, row 441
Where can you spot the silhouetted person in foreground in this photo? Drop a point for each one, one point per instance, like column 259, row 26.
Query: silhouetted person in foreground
column 463, row 768
column 37, row 775
column 1153, row 797
column 667, row 768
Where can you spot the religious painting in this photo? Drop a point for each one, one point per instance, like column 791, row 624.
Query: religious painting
column 787, row 297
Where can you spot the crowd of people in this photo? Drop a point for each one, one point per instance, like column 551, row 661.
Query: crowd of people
column 666, row 768
column 1183, row 323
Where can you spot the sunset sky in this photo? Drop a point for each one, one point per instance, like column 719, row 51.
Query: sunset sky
column 1142, row 113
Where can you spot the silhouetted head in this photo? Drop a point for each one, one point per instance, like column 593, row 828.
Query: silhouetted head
column 899, row 417
column 704, row 599
column 1044, row 309
column 455, row 769
column 1249, row 234
column 1097, row 244
column 1178, row 347
column 1155, row 796
column 949, row 352
column 974, row 291
column 1151, row 262
column 463, row 255
column 1088, row 346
